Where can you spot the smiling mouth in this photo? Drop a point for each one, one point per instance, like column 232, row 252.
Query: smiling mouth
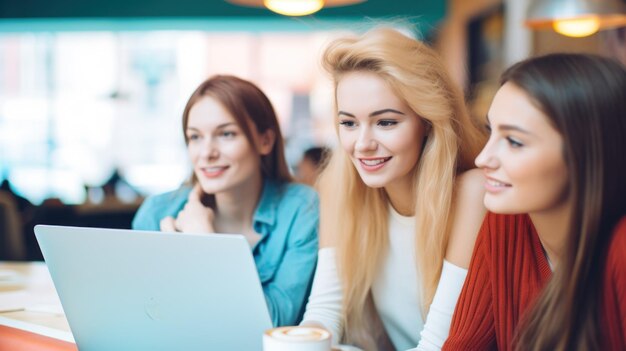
column 497, row 184
column 212, row 172
column 373, row 164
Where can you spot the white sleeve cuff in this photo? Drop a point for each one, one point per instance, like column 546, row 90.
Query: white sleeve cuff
column 439, row 316
column 325, row 301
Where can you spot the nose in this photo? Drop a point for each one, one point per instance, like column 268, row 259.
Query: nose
column 210, row 150
column 366, row 141
column 487, row 158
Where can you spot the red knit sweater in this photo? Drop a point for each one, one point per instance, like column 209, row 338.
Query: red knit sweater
column 508, row 271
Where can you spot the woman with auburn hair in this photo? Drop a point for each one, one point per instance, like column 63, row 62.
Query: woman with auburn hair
column 549, row 267
column 396, row 198
column 241, row 184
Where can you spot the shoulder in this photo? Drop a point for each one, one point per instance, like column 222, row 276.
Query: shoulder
column 505, row 234
column 469, row 185
column 156, row 207
column 513, row 225
column 300, row 191
column 284, row 203
column 295, row 210
column 167, row 199
column 298, row 196
column 498, row 229
column 468, row 206
column 468, row 214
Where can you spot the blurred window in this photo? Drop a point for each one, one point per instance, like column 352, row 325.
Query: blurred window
column 76, row 106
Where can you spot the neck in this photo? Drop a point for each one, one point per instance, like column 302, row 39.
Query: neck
column 401, row 198
column 236, row 207
column 553, row 230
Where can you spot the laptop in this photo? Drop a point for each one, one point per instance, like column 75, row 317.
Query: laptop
column 141, row 290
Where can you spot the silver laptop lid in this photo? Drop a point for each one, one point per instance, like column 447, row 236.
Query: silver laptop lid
column 138, row 290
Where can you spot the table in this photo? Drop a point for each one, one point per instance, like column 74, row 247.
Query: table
column 31, row 316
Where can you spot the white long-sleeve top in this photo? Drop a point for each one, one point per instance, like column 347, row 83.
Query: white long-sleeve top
column 395, row 292
column 396, row 288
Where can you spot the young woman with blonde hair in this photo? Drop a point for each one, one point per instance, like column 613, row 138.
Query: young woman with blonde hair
column 396, row 198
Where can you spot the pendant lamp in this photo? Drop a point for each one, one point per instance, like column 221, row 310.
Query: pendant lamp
column 295, row 7
column 576, row 18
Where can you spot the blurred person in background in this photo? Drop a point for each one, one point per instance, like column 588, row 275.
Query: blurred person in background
column 311, row 164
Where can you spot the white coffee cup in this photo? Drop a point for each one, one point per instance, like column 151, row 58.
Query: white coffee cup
column 296, row 339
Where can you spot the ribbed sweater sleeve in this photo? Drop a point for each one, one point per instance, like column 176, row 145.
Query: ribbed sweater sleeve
column 507, row 272
column 472, row 326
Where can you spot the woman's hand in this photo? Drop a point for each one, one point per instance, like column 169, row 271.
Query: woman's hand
column 193, row 218
column 168, row 224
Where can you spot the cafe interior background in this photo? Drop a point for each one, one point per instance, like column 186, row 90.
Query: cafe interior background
column 92, row 92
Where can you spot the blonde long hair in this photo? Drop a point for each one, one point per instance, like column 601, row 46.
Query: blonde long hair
column 354, row 217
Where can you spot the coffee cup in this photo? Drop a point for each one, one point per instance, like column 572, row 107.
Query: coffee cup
column 296, row 338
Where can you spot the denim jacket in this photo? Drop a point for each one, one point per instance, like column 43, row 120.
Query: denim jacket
column 286, row 217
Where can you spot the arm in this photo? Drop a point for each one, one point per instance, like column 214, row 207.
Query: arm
column 287, row 291
column 473, row 322
column 437, row 324
column 325, row 303
column 146, row 217
column 469, row 213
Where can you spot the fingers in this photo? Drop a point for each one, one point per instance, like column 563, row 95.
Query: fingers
column 194, row 217
column 168, row 224
column 196, row 194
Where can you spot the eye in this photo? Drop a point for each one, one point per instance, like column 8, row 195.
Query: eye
column 347, row 123
column 226, row 133
column 488, row 128
column 514, row 143
column 193, row 137
column 387, row 122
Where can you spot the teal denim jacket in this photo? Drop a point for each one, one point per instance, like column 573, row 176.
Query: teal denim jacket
column 287, row 219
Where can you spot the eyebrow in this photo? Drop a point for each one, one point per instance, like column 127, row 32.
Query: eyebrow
column 223, row 125
column 508, row 127
column 514, row 128
column 373, row 114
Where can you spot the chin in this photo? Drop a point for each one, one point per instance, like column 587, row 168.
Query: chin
column 497, row 207
column 209, row 188
column 374, row 183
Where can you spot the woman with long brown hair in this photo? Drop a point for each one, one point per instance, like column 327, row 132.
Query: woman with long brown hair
column 549, row 269
column 241, row 184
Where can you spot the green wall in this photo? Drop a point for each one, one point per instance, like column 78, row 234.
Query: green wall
column 51, row 15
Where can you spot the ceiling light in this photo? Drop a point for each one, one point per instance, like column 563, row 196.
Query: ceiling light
column 295, row 7
column 577, row 27
column 576, row 18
